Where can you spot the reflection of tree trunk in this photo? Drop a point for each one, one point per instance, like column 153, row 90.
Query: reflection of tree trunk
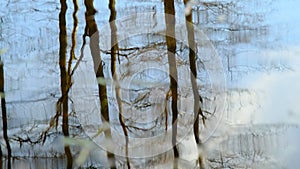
column 171, row 45
column 114, row 51
column 92, row 32
column 4, row 116
column 64, row 78
column 75, row 20
column 197, row 97
column 1, row 162
column 72, row 51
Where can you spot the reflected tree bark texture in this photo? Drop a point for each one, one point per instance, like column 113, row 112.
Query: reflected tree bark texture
column 114, row 51
column 62, row 104
column 197, row 96
column 171, row 46
column 4, row 117
column 91, row 30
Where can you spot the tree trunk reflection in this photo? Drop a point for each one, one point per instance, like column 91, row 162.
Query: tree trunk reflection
column 1, row 162
column 65, row 79
column 4, row 117
column 75, row 23
column 114, row 51
column 92, row 31
column 197, row 97
column 171, row 46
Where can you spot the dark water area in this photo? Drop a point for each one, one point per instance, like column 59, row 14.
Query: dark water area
column 125, row 84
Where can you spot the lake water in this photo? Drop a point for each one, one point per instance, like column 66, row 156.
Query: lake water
column 248, row 75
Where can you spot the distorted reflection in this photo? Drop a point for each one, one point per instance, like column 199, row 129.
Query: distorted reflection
column 79, row 90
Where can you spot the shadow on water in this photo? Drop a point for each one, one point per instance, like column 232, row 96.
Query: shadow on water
column 173, row 75
column 114, row 50
column 91, row 30
column 4, row 117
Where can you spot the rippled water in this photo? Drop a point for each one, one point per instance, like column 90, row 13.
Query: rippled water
column 256, row 41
